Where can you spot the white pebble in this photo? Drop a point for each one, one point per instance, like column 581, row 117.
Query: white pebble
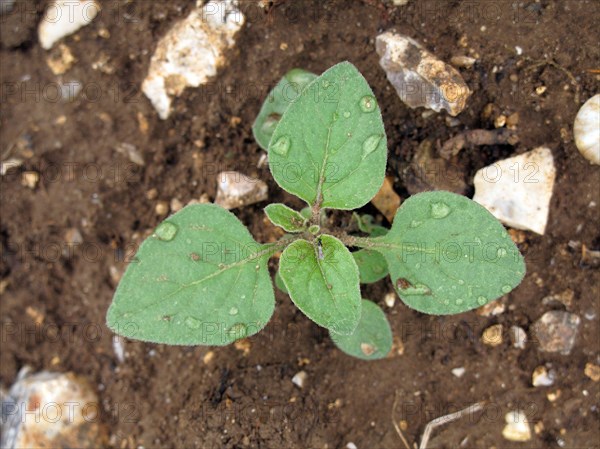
column 299, row 379
column 64, row 17
column 458, row 372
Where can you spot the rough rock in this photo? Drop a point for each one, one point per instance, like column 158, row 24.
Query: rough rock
column 420, row 79
column 517, row 428
column 236, row 189
column 64, row 17
column 517, row 190
column 556, row 331
column 191, row 52
column 49, row 409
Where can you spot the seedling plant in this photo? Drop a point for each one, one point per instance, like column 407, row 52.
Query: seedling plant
column 202, row 279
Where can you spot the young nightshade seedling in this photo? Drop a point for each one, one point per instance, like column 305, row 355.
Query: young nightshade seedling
column 202, row 279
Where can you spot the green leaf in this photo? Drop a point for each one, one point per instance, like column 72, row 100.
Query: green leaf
column 372, row 338
column 330, row 147
column 200, row 279
column 366, row 225
column 284, row 217
column 323, row 283
column 282, row 95
column 279, row 283
column 447, row 254
column 371, row 265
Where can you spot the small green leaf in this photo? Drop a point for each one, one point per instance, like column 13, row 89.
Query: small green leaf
column 283, row 94
column 372, row 338
column 200, row 279
column 279, row 283
column 366, row 225
column 330, row 147
column 284, row 217
column 323, row 282
column 447, row 254
column 371, row 265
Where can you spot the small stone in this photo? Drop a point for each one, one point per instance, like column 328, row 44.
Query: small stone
column 517, row 427
column 387, row 201
column 512, row 120
column 119, row 347
column 236, row 190
column 400, row 2
column 115, row 275
column 518, row 337
column 151, row 194
column 60, row 60
column 521, row 198
column 49, row 395
column 208, row 357
column 541, row 377
column 64, row 17
column 73, row 237
column 552, row 396
column 592, row 371
column 492, row 336
column 565, row 297
column 30, row 179
column 161, row 208
column 351, row 445
column 131, row 152
column 420, row 79
column 458, row 372
column 10, row 165
column 243, row 346
column 299, row 379
column 556, row 331
column 500, row 121
column 540, row 90
column 143, row 125
column 493, row 308
column 390, row 299
column 176, row 205
column 191, row 52
column 463, row 61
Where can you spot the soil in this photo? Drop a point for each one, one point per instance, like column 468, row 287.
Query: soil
column 55, row 294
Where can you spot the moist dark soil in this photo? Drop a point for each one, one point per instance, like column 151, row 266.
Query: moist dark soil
column 55, row 294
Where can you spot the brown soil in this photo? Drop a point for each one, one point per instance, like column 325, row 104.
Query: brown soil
column 167, row 396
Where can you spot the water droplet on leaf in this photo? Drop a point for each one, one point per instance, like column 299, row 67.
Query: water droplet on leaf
column 367, row 349
column 461, row 282
column 439, row 210
column 347, row 114
column 415, row 223
column 192, row 323
column 506, row 289
column 481, row 300
column 501, row 252
column 270, row 123
column 370, row 144
column 459, row 301
column 367, row 103
column 166, row 231
column 282, row 146
column 233, row 311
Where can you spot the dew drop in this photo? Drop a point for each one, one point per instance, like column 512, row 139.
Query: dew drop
column 481, row 300
column 417, row 266
column 367, row 349
column 370, row 144
column 347, row 114
column 439, row 210
column 458, row 302
column 166, row 231
column 367, row 103
column 415, row 223
column 233, row 311
column 238, row 331
column 506, row 288
column 461, row 282
column 446, row 302
column 282, row 146
column 191, row 322
column 501, row 252
column 326, row 84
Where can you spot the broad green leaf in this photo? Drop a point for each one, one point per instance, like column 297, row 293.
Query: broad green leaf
column 371, row 265
column 330, row 147
column 279, row 283
column 447, row 254
column 284, row 217
column 372, row 338
column 282, row 95
column 200, row 279
column 323, row 283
